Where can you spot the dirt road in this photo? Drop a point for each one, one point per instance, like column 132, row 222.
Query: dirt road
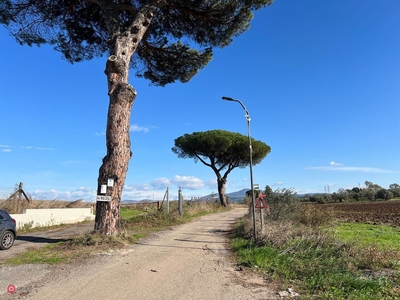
column 190, row 261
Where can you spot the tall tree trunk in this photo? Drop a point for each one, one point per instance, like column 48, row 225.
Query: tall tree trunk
column 122, row 94
column 115, row 163
column 221, row 181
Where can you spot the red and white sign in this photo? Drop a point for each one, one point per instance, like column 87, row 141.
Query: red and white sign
column 260, row 203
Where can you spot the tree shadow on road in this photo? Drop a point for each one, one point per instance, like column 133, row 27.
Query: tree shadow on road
column 38, row 239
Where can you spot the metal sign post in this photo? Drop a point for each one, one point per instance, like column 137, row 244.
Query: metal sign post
column 261, row 204
column 257, row 188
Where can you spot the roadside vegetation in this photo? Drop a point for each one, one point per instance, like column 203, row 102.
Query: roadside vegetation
column 307, row 248
column 17, row 206
column 137, row 221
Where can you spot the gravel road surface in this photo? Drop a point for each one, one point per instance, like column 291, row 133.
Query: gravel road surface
column 190, row 261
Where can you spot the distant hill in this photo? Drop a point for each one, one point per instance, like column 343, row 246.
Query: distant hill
column 241, row 194
column 233, row 197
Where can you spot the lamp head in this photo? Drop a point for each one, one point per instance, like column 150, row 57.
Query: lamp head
column 227, row 98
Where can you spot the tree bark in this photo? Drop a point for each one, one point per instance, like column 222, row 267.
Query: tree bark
column 122, row 95
column 115, row 163
column 222, row 190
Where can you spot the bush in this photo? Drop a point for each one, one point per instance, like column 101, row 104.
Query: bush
column 283, row 205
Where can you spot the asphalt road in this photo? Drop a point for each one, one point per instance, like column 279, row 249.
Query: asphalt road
column 190, row 261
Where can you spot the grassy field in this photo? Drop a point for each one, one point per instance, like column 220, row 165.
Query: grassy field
column 321, row 257
column 368, row 235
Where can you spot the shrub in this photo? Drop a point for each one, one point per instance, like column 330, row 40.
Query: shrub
column 283, row 204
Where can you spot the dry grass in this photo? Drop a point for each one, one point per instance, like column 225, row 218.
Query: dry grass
column 17, row 206
column 311, row 215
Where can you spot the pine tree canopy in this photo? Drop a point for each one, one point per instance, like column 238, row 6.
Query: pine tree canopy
column 178, row 39
column 222, row 149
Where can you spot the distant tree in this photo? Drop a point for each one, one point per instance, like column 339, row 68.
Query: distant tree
column 249, row 193
column 221, row 151
column 268, row 192
column 163, row 40
column 384, row 194
column 371, row 185
column 356, row 196
column 369, row 193
column 395, row 189
column 317, row 198
column 342, row 195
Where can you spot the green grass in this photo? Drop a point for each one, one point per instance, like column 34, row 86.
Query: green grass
column 318, row 266
column 384, row 237
column 44, row 255
column 127, row 212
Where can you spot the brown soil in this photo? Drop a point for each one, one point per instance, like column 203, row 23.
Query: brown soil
column 382, row 212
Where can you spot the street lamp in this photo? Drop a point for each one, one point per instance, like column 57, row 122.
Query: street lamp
column 247, row 115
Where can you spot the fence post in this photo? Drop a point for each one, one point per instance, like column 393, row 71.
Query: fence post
column 167, row 201
column 20, row 189
column 180, row 200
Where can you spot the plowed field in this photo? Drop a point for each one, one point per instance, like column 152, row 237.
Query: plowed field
column 382, row 212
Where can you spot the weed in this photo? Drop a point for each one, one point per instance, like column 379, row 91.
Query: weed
column 315, row 262
column 312, row 215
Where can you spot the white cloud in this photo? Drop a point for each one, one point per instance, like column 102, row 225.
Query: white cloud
column 160, row 183
column 135, row 127
column 137, row 187
column 340, row 167
column 38, row 148
column 88, row 194
column 6, row 148
column 188, row 182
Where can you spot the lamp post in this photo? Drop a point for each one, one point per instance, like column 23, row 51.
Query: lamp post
column 247, row 115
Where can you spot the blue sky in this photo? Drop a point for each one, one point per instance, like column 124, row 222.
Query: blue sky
column 321, row 80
